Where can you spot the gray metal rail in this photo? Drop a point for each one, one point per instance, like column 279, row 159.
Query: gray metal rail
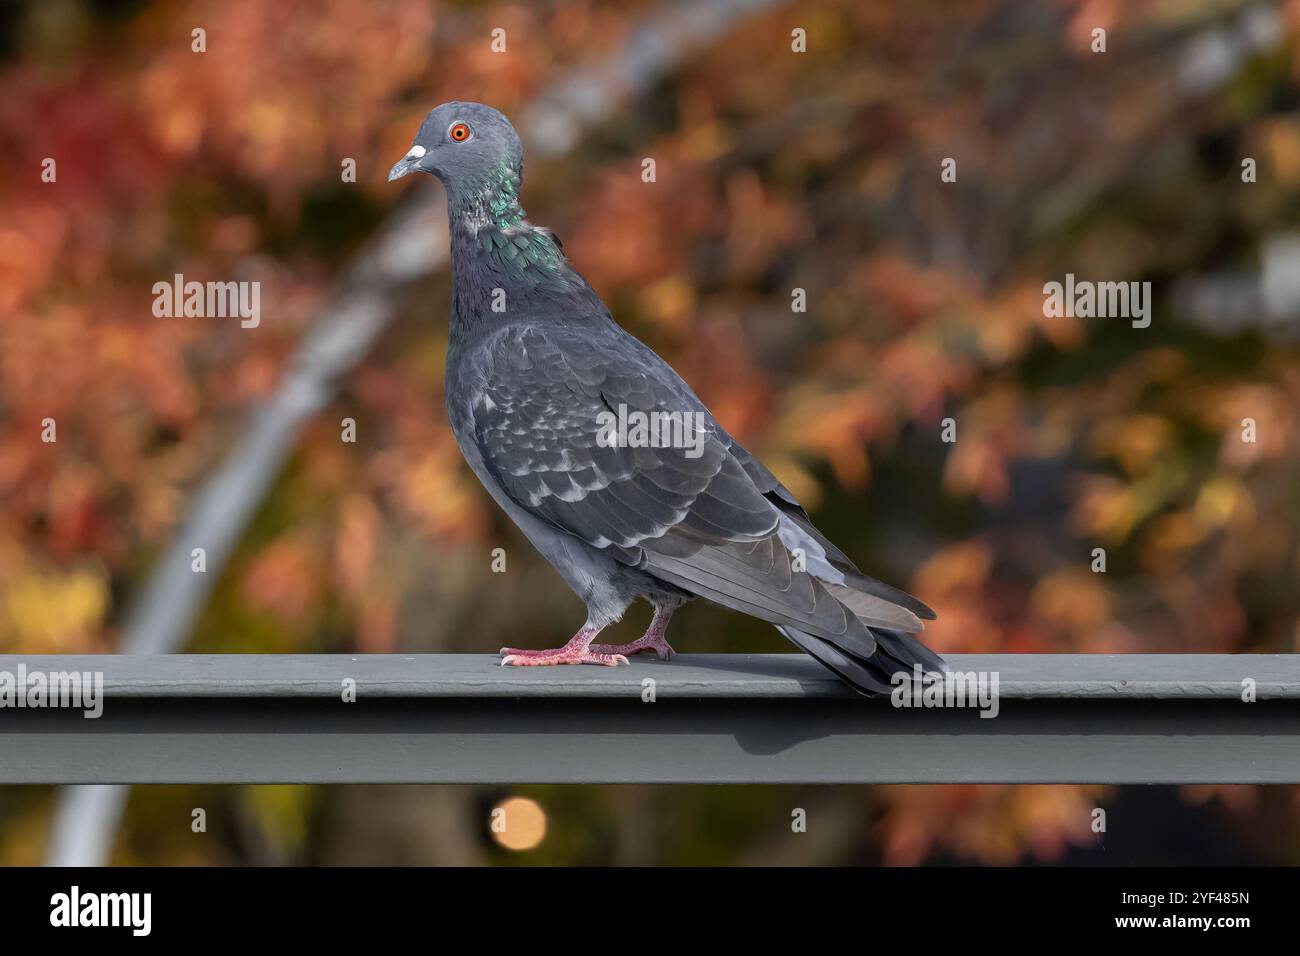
column 700, row 718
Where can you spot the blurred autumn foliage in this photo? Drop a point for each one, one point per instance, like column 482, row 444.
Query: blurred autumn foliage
column 776, row 171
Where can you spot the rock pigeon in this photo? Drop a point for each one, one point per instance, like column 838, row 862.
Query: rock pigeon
column 607, row 461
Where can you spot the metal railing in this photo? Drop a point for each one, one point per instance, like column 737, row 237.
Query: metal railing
column 701, row 718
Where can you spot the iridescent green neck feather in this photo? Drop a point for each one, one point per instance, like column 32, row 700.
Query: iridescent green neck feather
column 491, row 200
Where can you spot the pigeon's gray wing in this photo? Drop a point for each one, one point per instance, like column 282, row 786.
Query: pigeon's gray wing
column 543, row 423
column 692, row 516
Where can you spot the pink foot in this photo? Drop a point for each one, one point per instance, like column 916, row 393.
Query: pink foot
column 652, row 640
column 646, row 642
column 577, row 651
column 560, row 655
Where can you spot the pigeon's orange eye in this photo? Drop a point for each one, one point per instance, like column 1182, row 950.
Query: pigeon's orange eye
column 459, row 132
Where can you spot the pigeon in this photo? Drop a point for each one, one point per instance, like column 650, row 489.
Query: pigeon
column 605, row 458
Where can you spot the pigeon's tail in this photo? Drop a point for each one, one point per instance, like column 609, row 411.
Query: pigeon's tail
column 875, row 674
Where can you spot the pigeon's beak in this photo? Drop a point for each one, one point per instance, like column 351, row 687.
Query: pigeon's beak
column 408, row 163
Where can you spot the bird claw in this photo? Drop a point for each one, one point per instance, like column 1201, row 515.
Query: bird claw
column 515, row 657
column 648, row 642
column 580, row 650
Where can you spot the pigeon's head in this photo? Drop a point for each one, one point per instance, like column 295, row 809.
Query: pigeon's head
column 468, row 146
